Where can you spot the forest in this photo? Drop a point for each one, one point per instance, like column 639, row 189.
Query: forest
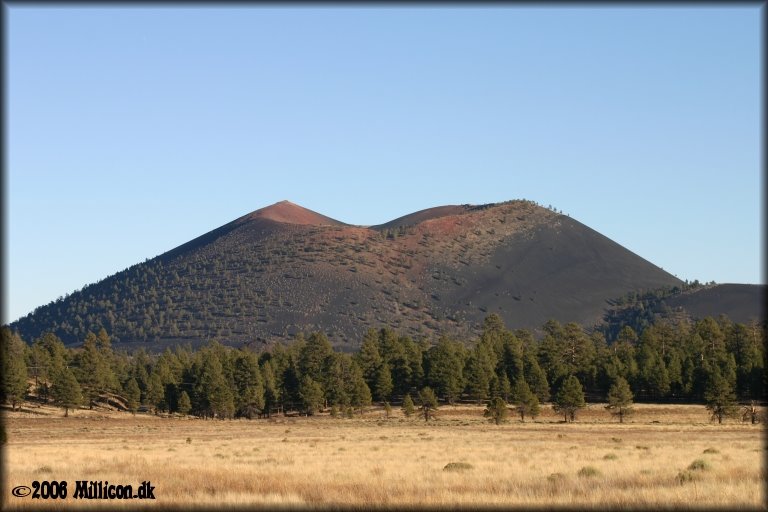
column 685, row 362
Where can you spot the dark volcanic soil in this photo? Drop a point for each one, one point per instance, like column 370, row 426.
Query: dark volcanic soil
column 743, row 303
column 284, row 269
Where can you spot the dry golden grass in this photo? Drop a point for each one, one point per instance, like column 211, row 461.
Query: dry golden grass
column 372, row 461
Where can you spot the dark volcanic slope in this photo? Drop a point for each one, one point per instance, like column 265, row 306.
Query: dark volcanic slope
column 422, row 215
column 741, row 303
column 284, row 269
column 563, row 270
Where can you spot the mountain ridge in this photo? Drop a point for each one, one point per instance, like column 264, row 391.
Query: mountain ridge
column 284, row 269
column 291, row 213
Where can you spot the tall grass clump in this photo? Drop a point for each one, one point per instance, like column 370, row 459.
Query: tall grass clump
column 457, row 466
column 588, row 472
column 699, row 465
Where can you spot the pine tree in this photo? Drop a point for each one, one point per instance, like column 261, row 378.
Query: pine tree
column 446, row 362
column 415, row 354
column 271, row 395
column 248, row 386
column 14, row 368
column 132, row 395
column 155, row 392
column 651, row 367
column 42, row 358
column 526, row 402
column 40, row 361
column 511, row 362
column 215, row 390
column 535, row 376
column 427, row 403
column 290, row 380
column 550, row 352
column 104, row 346
column 383, row 383
column 335, row 370
column 493, row 335
column 478, row 380
column 94, row 372
column 311, row 395
column 569, row 398
column 500, row 386
column 748, row 347
column 358, row 391
column 620, row 399
column 220, row 400
column 579, row 353
column 313, row 354
column 496, row 411
column 369, row 359
column 719, row 397
column 408, row 408
column 66, row 390
column 168, row 381
column 399, row 363
column 184, row 403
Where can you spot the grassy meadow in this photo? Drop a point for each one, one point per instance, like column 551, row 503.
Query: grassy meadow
column 664, row 457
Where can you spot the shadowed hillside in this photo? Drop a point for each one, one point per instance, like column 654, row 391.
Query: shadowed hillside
column 285, row 269
column 743, row 303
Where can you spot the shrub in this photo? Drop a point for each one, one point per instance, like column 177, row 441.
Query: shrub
column 699, row 465
column 686, row 476
column 588, row 472
column 496, row 411
column 711, row 450
column 408, row 407
column 610, row 456
column 457, row 466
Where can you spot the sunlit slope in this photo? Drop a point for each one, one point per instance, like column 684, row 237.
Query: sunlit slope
column 285, row 269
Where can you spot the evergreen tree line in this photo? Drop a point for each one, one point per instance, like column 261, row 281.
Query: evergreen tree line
column 684, row 362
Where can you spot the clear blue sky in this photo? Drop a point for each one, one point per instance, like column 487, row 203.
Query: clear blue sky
column 133, row 130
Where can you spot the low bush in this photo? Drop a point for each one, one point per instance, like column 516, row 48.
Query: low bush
column 457, row 466
column 687, row 476
column 699, row 465
column 588, row 472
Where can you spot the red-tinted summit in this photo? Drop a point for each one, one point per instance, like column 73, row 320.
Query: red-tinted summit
column 290, row 213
